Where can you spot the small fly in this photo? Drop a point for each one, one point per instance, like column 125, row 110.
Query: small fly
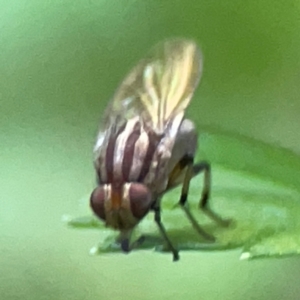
column 146, row 146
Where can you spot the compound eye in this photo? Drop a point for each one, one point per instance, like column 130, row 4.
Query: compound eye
column 97, row 202
column 140, row 199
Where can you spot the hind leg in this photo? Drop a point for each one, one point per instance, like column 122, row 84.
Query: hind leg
column 182, row 169
column 205, row 196
column 187, row 162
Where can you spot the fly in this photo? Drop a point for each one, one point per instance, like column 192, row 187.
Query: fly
column 146, row 146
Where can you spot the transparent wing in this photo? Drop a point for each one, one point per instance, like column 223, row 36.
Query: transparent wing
column 158, row 89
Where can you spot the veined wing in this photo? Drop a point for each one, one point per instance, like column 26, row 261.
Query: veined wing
column 158, row 89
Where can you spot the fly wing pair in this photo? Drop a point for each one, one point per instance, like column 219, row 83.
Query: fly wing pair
column 158, row 89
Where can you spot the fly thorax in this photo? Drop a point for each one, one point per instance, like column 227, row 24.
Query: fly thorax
column 121, row 206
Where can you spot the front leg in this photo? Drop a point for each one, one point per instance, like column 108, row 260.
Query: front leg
column 163, row 232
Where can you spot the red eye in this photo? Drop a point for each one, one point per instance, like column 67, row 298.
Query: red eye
column 97, row 202
column 140, row 199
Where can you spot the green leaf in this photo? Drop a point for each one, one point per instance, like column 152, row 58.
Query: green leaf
column 254, row 184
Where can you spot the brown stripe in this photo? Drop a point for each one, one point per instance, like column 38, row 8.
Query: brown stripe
column 109, row 157
column 129, row 150
column 154, row 140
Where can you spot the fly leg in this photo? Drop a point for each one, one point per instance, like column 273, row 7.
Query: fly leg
column 204, row 200
column 163, row 232
column 125, row 244
column 188, row 161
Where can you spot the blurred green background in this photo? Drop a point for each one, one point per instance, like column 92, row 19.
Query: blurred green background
column 60, row 62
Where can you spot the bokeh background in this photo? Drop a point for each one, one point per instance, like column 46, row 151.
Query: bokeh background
column 60, row 62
